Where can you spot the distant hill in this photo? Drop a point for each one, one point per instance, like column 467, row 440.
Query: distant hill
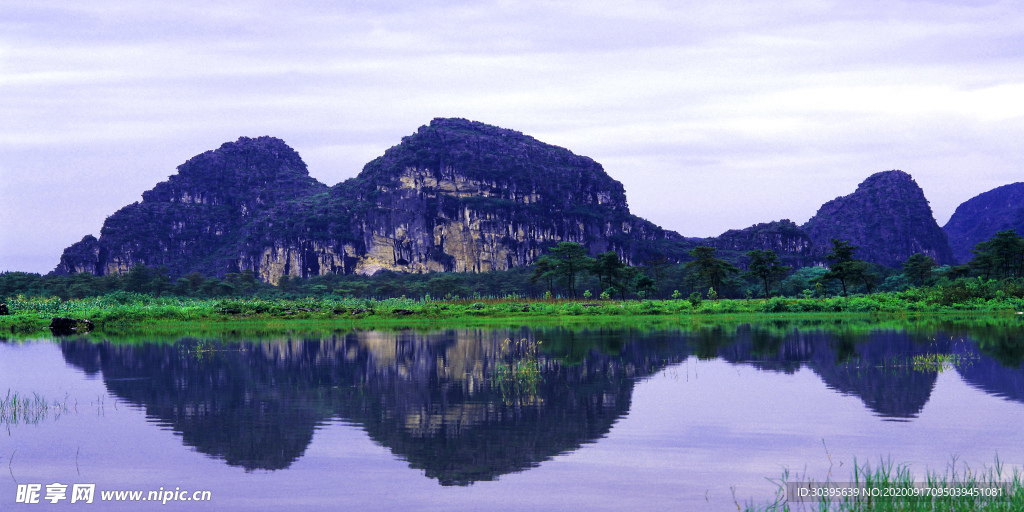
column 982, row 216
column 784, row 237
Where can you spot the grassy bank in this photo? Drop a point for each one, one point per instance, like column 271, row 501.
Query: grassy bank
column 991, row 489
column 124, row 312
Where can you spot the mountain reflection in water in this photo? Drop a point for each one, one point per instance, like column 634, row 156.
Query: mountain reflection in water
column 436, row 401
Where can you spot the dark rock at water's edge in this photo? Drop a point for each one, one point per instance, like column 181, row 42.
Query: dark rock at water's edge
column 3, row 309
column 456, row 195
column 981, row 217
column 61, row 326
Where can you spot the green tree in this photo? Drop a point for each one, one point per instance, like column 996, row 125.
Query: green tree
column 803, row 278
column 645, row 286
column 571, row 261
column 608, row 268
column 843, row 267
column 138, row 279
column 658, row 264
column 765, row 265
column 446, row 285
column 918, row 268
column 245, row 282
column 1000, row 256
column 709, row 268
column 545, row 270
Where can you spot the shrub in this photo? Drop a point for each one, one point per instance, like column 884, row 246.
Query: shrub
column 775, row 305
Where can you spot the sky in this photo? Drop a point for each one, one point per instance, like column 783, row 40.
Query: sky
column 713, row 115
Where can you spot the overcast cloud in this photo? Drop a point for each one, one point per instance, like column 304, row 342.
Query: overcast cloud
column 714, row 115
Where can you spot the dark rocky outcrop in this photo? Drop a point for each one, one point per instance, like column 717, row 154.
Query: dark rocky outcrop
column 981, row 217
column 784, row 237
column 61, row 326
column 887, row 216
column 193, row 221
column 456, row 196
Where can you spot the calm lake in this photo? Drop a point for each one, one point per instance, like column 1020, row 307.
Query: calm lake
column 685, row 418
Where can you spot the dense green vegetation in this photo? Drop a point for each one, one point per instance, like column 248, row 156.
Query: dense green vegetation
column 992, row 282
column 125, row 311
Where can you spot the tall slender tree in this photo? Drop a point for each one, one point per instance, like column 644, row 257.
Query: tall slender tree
column 710, row 268
column 571, row 260
column 544, row 270
column 657, row 264
column 765, row 265
column 843, row 267
column 918, row 268
column 611, row 272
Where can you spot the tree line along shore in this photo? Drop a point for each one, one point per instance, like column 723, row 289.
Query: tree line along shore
column 564, row 282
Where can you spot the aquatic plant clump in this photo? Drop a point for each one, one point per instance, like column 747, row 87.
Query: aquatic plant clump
column 16, row 408
column 517, row 368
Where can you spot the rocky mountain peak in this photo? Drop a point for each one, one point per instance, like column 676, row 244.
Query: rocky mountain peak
column 462, row 158
column 249, row 172
column 887, row 216
column 891, row 178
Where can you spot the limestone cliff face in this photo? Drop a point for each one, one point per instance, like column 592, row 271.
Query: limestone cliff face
column 456, row 196
column 887, row 216
column 982, row 216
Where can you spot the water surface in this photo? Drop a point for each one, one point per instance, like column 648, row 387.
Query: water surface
column 669, row 419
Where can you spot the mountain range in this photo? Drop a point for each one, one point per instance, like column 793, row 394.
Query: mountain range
column 463, row 196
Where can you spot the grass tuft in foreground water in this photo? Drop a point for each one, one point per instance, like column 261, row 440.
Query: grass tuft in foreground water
column 18, row 408
column 517, row 369
column 991, row 489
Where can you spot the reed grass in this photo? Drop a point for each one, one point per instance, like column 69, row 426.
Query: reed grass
column 517, row 366
column 17, row 408
column 966, row 490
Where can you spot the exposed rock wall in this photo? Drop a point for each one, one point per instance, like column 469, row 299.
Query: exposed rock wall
column 193, row 221
column 784, row 237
